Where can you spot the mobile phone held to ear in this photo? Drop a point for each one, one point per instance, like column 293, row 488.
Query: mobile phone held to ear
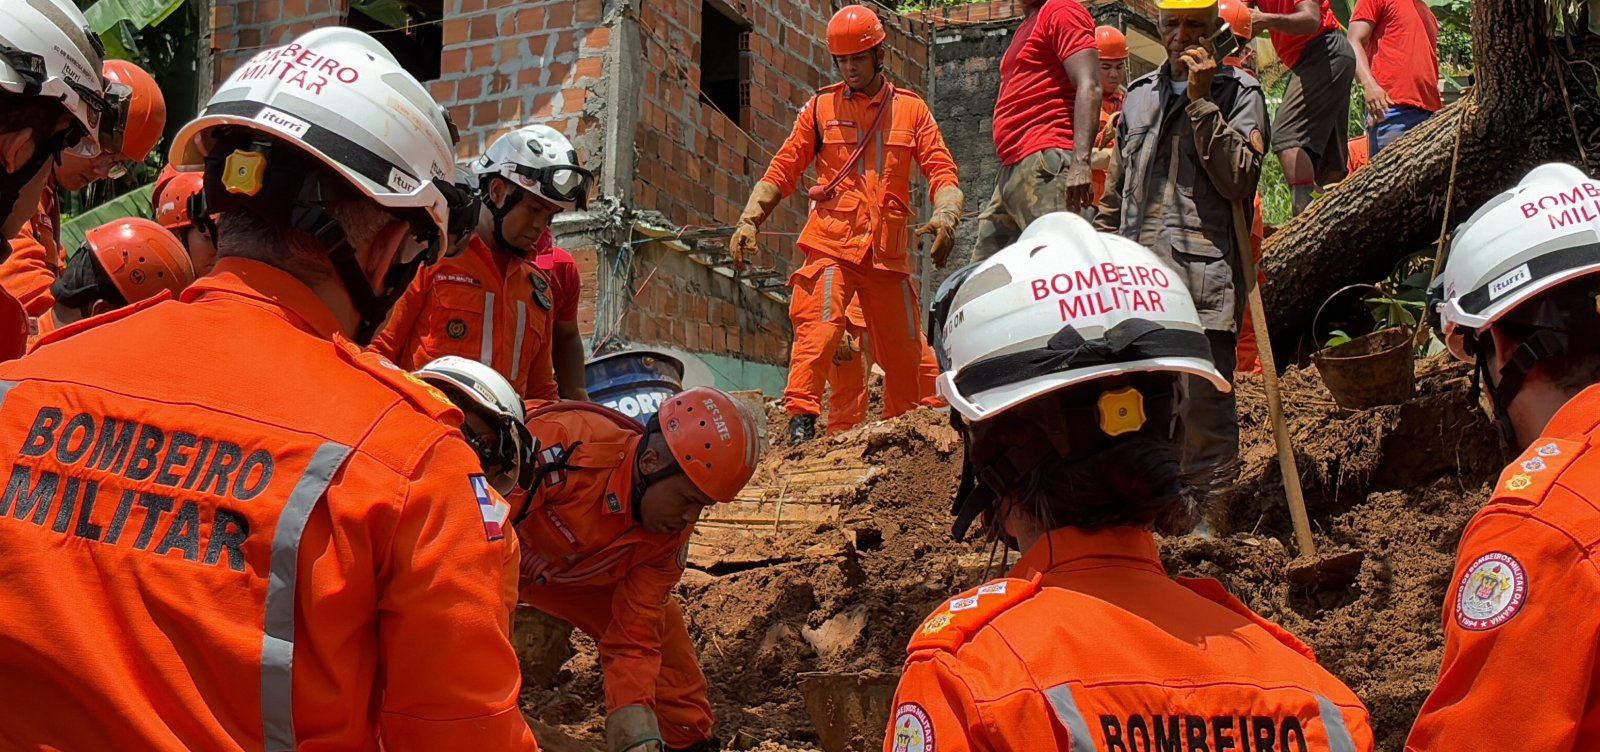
column 1224, row 43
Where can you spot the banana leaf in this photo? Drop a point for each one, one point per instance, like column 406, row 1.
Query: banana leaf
column 135, row 203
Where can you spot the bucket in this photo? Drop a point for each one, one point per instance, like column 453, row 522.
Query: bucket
column 850, row 711
column 1370, row 370
column 635, row 382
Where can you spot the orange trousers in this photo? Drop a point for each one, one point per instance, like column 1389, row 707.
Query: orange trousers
column 681, row 704
column 847, row 385
column 821, row 290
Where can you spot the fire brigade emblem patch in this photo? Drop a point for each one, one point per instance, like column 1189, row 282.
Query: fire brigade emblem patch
column 1518, row 482
column 1492, row 591
column 913, row 729
column 456, row 329
column 936, row 623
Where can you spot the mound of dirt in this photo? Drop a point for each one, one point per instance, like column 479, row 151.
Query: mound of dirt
column 843, row 594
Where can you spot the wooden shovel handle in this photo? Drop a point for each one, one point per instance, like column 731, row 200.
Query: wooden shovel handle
column 1269, row 373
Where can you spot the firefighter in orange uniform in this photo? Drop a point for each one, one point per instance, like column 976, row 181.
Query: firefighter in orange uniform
column 130, row 130
column 864, row 135
column 122, row 262
column 1518, row 299
column 1113, row 48
column 847, row 378
column 51, row 103
column 180, row 206
column 1072, row 456
column 605, row 526
column 492, row 303
column 206, row 553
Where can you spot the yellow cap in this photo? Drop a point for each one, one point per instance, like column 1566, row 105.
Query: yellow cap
column 1185, row 4
column 242, row 173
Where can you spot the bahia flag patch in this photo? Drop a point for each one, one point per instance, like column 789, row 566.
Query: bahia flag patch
column 493, row 510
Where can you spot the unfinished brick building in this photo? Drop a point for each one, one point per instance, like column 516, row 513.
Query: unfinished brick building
column 676, row 104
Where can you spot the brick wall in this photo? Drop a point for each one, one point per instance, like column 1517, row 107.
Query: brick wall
column 506, row 63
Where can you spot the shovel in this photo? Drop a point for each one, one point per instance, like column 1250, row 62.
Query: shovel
column 1334, row 571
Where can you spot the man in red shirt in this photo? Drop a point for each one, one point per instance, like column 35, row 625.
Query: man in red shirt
column 1308, row 134
column 1049, row 90
column 566, row 290
column 1397, row 59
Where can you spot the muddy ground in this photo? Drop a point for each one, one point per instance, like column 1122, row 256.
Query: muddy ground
column 1397, row 482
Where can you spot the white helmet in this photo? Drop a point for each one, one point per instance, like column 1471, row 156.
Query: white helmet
column 342, row 97
column 477, row 388
column 1541, row 233
column 540, row 160
column 48, row 49
column 1061, row 306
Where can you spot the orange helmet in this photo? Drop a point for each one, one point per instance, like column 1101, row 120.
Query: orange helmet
column 142, row 116
column 1237, row 17
column 177, row 197
column 854, row 29
column 1112, row 45
column 141, row 257
column 713, row 439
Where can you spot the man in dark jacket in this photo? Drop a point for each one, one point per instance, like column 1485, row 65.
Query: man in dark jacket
column 1189, row 149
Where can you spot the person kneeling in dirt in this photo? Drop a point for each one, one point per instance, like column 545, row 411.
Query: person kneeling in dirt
column 605, row 525
column 1066, row 409
column 1518, row 297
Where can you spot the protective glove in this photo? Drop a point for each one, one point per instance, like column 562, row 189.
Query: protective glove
column 947, row 205
column 847, row 349
column 633, row 728
column 763, row 199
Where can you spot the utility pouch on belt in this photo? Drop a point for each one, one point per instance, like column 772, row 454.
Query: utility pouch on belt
column 825, row 193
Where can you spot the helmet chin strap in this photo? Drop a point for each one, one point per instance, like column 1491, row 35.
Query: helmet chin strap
column 499, row 213
column 371, row 306
column 1543, row 343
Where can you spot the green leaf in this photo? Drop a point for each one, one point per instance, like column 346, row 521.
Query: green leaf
column 390, row 13
column 135, row 203
column 141, row 13
column 1336, row 338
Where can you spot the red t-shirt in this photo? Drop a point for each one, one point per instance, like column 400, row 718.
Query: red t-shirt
column 1034, row 109
column 1403, row 50
column 566, row 286
column 1359, row 156
column 1289, row 46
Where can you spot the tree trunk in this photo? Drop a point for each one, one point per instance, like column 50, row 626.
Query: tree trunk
column 1514, row 119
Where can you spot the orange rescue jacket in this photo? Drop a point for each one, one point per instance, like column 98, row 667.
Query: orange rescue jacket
column 577, row 528
column 1090, row 646
column 1521, row 633
column 480, row 305
column 865, row 221
column 260, row 538
column 36, row 259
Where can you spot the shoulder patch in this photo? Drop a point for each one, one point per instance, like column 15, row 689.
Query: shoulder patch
column 912, row 729
column 962, row 616
column 1493, row 589
column 1529, row 478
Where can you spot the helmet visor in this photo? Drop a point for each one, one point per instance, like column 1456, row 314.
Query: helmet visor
column 565, row 184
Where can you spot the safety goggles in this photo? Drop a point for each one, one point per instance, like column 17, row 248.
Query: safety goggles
column 568, row 184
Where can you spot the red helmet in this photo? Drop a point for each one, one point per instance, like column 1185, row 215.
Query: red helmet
column 141, row 257
column 145, row 112
column 1112, row 44
column 854, row 29
column 175, row 198
column 713, row 438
